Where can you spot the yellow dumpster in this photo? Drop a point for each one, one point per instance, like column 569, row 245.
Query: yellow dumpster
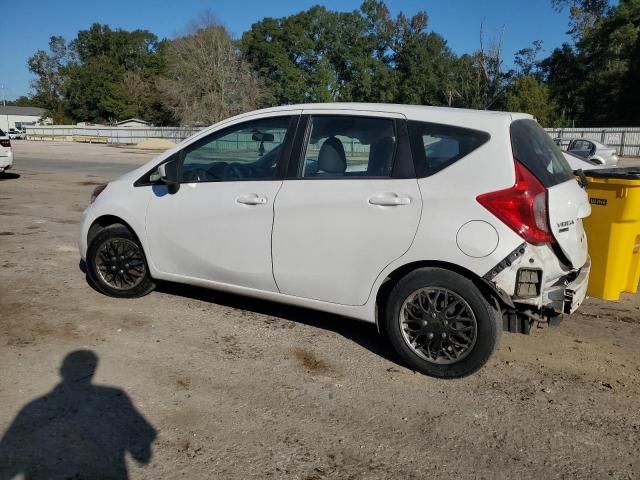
column 613, row 231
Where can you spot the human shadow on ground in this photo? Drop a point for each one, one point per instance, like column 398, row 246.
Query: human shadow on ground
column 78, row 430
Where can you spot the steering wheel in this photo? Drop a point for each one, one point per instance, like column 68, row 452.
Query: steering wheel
column 197, row 175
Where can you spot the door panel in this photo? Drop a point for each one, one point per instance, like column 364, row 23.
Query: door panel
column 330, row 240
column 218, row 225
column 210, row 231
column 345, row 219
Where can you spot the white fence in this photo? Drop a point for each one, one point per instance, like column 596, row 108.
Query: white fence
column 625, row 140
column 116, row 135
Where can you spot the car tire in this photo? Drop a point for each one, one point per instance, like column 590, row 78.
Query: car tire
column 440, row 323
column 116, row 264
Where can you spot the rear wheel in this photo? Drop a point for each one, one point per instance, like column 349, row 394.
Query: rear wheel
column 116, row 264
column 440, row 323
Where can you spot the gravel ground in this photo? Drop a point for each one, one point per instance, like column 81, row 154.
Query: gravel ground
column 200, row 384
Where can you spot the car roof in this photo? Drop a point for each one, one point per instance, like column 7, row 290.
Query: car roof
column 480, row 119
column 408, row 110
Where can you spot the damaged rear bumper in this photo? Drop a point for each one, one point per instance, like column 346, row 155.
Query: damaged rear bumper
column 575, row 291
column 552, row 289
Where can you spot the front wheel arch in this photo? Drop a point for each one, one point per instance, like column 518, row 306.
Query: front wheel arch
column 106, row 221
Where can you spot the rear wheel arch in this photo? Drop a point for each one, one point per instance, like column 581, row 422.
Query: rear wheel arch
column 488, row 290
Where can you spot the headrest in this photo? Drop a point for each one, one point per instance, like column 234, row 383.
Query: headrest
column 331, row 158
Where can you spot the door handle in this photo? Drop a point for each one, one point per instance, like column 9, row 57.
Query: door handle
column 389, row 200
column 251, row 199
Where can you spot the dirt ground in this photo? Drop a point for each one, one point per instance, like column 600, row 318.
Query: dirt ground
column 206, row 385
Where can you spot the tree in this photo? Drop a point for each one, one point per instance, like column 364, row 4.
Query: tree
column 320, row 56
column 207, row 78
column 609, row 51
column 364, row 55
column 90, row 78
column 564, row 73
column 596, row 80
column 584, row 14
column 422, row 61
column 531, row 96
column 494, row 80
column 49, row 83
column 23, row 101
column 527, row 59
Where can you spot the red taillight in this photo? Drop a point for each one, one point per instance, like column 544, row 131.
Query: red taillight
column 5, row 143
column 522, row 207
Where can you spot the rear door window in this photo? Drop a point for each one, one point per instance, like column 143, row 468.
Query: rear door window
column 436, row 146
column 535, row 149
column 345, row 146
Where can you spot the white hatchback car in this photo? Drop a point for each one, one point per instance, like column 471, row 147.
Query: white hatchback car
column 443, row 226
column 6, row 155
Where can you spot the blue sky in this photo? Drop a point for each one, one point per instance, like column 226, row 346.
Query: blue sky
column 26, row 26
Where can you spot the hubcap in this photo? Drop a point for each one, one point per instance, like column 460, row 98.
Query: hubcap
column 438, row 325
column 120, row 263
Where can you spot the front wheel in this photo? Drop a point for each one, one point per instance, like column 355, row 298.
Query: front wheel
column 440, row 323
column 116, row 264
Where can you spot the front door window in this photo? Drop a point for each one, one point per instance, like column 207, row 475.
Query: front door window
column 249, row 151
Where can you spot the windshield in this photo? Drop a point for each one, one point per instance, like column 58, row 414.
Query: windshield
column 535, row 149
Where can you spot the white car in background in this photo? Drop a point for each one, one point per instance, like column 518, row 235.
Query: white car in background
column 441, row 225
column 6, row 155
column 14, row 134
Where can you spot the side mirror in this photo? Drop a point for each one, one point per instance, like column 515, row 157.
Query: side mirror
column 168, row 173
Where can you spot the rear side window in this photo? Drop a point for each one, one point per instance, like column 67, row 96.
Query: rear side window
column 343, row 146
column 437, row 146
column 535, row 149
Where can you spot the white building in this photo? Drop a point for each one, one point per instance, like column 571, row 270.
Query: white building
column 18, row 117
column 133, row 122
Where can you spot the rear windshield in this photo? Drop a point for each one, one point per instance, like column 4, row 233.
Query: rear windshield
column 535, row 149
column 1, row 133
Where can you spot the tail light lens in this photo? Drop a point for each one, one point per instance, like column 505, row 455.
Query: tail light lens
column 5, row 143
column 522, row 207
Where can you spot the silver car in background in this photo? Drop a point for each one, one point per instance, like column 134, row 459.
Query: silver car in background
column 576, row 162
column 593, row 151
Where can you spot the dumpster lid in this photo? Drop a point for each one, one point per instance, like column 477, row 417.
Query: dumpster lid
column 627, row 173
